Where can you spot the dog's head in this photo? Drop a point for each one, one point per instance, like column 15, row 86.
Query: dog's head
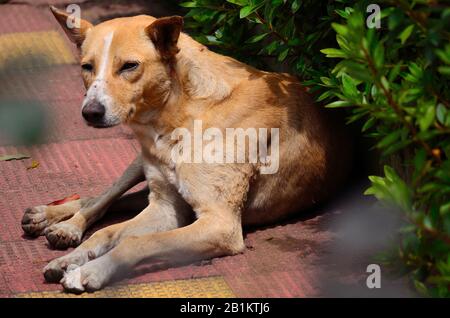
column 126, row 65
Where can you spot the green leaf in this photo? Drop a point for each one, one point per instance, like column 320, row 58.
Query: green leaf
column 342, row 13
column 441, row 113
column 378, row 56
column 18, row 156
column 415, row 70
column 256, row 38
column 190, row 4
column 427, row 223
column 212, row 39
column 343, row 43
column 385, row 82
column 246, row 11
column 334, row 53
column 420, row 159
column 389, row 172
column 445, row 209
column 355, row 117
column 283, row 55
column 404, row 35
column 389, row 139
column 348, row 86
column 239, row 2
column 339, row 103
column 396, row 147
column 421, row 288
column 271, row 48
column 394, row 72
column 444, row 55
column 444, row 70
column 426, row 120
column 399, row 192
column 326, row 80
column 354, row 69
column 368, row 124
column 295, row 6
column 325, row 95
column 340, row 29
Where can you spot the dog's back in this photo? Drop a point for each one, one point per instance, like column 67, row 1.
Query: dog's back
column 315, row 151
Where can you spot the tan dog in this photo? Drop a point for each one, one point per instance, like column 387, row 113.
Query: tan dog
column 143, row 72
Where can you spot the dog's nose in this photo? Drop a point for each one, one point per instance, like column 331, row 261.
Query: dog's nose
column 93, row 112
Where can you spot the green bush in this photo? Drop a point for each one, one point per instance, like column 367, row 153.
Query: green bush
column 393, row 80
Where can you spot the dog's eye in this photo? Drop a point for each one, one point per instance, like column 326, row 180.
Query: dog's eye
column 87, row 67
column 129, row 66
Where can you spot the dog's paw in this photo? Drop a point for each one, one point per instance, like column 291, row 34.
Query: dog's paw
column 90, row 277
column 37, row 220
column 34, row 221
column 72, row 280
column 63, row 235
column 54, row 271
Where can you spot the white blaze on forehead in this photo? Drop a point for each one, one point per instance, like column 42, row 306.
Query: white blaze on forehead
column 105, row 56
column 97, row 90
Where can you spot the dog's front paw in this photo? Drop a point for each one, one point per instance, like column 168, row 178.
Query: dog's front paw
column 90, row 277
column 37, row 220
column 54, row 271
column 63, row 235
column 34, row 220
column 72, row 280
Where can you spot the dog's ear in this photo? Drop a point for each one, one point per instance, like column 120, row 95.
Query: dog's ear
column 76, row 34
column 164, row 33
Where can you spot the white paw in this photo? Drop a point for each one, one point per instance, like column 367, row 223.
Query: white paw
column 72, row 279
column 90, row 277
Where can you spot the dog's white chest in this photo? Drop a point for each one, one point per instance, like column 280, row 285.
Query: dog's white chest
column 166, row 173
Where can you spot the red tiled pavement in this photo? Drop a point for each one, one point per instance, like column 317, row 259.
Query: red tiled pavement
column 21, row 18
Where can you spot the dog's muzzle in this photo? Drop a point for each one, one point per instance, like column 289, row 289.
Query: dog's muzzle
column 94, row 113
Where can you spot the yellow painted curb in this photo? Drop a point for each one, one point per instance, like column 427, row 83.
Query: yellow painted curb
column 34, row 49
column 209, row 287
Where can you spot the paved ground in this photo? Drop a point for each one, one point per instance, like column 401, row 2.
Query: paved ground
column 288, row 260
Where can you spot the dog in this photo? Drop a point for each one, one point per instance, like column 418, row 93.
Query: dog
column 146, row 73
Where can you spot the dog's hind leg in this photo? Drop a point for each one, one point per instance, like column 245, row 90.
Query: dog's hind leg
column 65, row 224
column 36, row 219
